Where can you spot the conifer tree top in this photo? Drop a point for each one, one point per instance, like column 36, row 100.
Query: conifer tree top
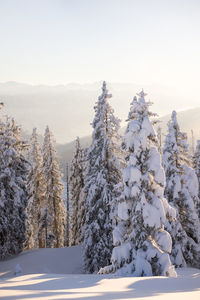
column 142, row 94
column 105, row 91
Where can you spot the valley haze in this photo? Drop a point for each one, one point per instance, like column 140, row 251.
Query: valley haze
column 68, row 109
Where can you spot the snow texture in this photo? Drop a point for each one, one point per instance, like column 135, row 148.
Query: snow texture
column 56, row 274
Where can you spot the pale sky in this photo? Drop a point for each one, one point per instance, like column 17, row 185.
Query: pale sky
column 62, row 41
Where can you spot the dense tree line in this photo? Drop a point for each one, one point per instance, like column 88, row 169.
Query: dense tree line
column 134, row 203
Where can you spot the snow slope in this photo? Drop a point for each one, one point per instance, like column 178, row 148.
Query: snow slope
column 58, row 261
column 43, row 285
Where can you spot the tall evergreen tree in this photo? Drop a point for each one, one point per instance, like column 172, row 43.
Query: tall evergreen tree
column 77, row 184
column 102, row 174
column 13, row 193
column 67, row 223
column 159, row 136
column 54, row 213
column 141, row 245
column 37, row 197
column 82, row 199
column 182, row 192
column 196, row 164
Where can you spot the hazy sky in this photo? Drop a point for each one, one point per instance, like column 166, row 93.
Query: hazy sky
column 62, row 41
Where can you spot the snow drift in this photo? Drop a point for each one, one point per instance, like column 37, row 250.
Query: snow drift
column 31, row 282
column 49, row 260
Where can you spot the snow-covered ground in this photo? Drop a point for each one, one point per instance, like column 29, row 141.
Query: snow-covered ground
column 57, row 274
column 49, row 260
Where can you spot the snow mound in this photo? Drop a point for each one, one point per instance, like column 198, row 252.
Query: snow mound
column 46, row 260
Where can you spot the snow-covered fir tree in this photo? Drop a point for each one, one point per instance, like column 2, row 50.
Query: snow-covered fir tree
column 141, row 245
column 159, row 136
column 102, row 174
column 67, row 204
column 54, row 212
column 196, row 163
column 13, row 193
column 77, row 194
column 37, row 197
column 182, row 192
column 82, row 199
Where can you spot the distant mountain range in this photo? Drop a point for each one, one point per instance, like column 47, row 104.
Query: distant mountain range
column 188, row 120
column 68, row 109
